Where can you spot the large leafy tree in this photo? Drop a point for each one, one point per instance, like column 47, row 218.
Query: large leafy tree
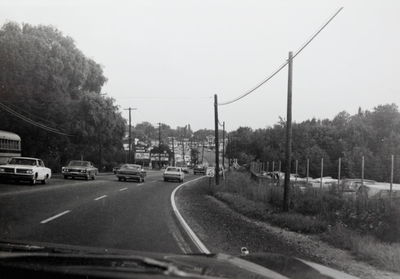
column 45, row 78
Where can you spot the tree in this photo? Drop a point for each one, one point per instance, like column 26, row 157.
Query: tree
column 47, row 79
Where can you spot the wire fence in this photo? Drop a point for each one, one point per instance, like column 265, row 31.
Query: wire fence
column 363, row 194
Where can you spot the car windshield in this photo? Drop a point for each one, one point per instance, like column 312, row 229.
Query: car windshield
column 22, row 161
column 230, row 128
column 173, row 169
column 78, row 164
column 131, row 167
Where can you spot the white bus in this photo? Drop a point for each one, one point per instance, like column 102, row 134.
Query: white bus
column 10, row 146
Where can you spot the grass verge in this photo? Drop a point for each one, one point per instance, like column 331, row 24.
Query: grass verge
column 260, row 203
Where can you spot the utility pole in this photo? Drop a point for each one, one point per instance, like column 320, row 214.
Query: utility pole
column 183, row 151
column 216, row 140
column 288, row 136
column 173, row 151
column 202, row 152
column 159, row 144
column 130, row 133
column 223, row 144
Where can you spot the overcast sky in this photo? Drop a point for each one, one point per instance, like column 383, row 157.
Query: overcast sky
column 169, row 58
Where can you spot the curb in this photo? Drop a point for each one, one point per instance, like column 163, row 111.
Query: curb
column 197, row 242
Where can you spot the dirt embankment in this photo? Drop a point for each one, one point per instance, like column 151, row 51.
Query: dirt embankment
column 224, row 230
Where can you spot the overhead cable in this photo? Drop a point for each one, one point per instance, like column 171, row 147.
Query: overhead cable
column 283, row 65
column 30, row 121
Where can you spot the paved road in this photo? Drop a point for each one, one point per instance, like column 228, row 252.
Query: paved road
column 101, row 213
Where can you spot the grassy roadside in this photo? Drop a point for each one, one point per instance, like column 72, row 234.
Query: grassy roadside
column 333, row 222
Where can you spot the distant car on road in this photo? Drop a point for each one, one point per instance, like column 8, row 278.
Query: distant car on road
column 131, row 171
column 25, row 169
column 200, row 169
column 173, row 173
column 83, row 169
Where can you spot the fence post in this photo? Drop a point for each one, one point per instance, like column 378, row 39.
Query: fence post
column 273, row 166
column 308, row 169
column 295, row 178
column 268, row 166
column 362, row 171
column 391, row 181
column 339, row 170
column 322, row 172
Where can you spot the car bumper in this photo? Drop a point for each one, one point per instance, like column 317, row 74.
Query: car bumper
column 76, row 174
column 172, row 177
column 16, row 176
column 129, row 176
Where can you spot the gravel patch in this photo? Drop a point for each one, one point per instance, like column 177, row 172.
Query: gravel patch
column 223, row 230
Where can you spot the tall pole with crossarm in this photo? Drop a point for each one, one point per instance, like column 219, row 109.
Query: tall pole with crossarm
column 130, row 133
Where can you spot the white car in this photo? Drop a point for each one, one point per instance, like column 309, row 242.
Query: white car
column 174, row 173
column 25, row 169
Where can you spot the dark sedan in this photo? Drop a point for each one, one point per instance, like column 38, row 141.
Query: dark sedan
column 131, row 171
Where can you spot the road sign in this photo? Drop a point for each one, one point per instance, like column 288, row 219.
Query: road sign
column 210, row 172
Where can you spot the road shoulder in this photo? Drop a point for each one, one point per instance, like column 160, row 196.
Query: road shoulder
column 223, row 230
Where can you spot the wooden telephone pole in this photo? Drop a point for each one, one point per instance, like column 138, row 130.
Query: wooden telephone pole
column 288, row 136
column 130, row 133
column 216, row 140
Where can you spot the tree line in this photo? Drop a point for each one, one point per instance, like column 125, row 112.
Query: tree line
column 374, row 135
column 47, row 79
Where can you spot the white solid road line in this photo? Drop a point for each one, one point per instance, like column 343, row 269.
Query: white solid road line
column 188, row 230
column 99, row 198
column 55, row 217
column 123, row 189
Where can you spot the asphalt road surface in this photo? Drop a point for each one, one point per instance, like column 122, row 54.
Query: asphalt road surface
column 101, row 213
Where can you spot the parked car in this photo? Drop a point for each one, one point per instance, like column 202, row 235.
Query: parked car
column 131, row 171
column 173, row 173
column 25, row 169
column 201, row 169
column 83, row 169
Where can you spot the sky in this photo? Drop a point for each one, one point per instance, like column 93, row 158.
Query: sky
column 169, row 58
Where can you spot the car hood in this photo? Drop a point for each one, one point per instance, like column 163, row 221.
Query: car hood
column 75, row 167
column 104, row 262
column 17, row 166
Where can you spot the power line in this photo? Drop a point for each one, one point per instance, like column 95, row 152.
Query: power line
column 30, row 114
column 284, row 64
column 30, row 121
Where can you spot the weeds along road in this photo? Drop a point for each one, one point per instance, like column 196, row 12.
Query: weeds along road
column 101, row 213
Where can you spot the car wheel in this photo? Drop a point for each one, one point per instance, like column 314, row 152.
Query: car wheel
column 93, row 177
column 33, row 181
column 87, row 177
column 65, row 176
column 44, row 181
column 165, row 179
column 119, row 179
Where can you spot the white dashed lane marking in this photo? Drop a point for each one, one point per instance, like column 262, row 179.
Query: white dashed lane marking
column 99, row 198
column 55, row 217
column 123, row 189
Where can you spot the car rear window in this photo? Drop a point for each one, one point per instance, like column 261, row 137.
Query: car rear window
column 173, row 169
